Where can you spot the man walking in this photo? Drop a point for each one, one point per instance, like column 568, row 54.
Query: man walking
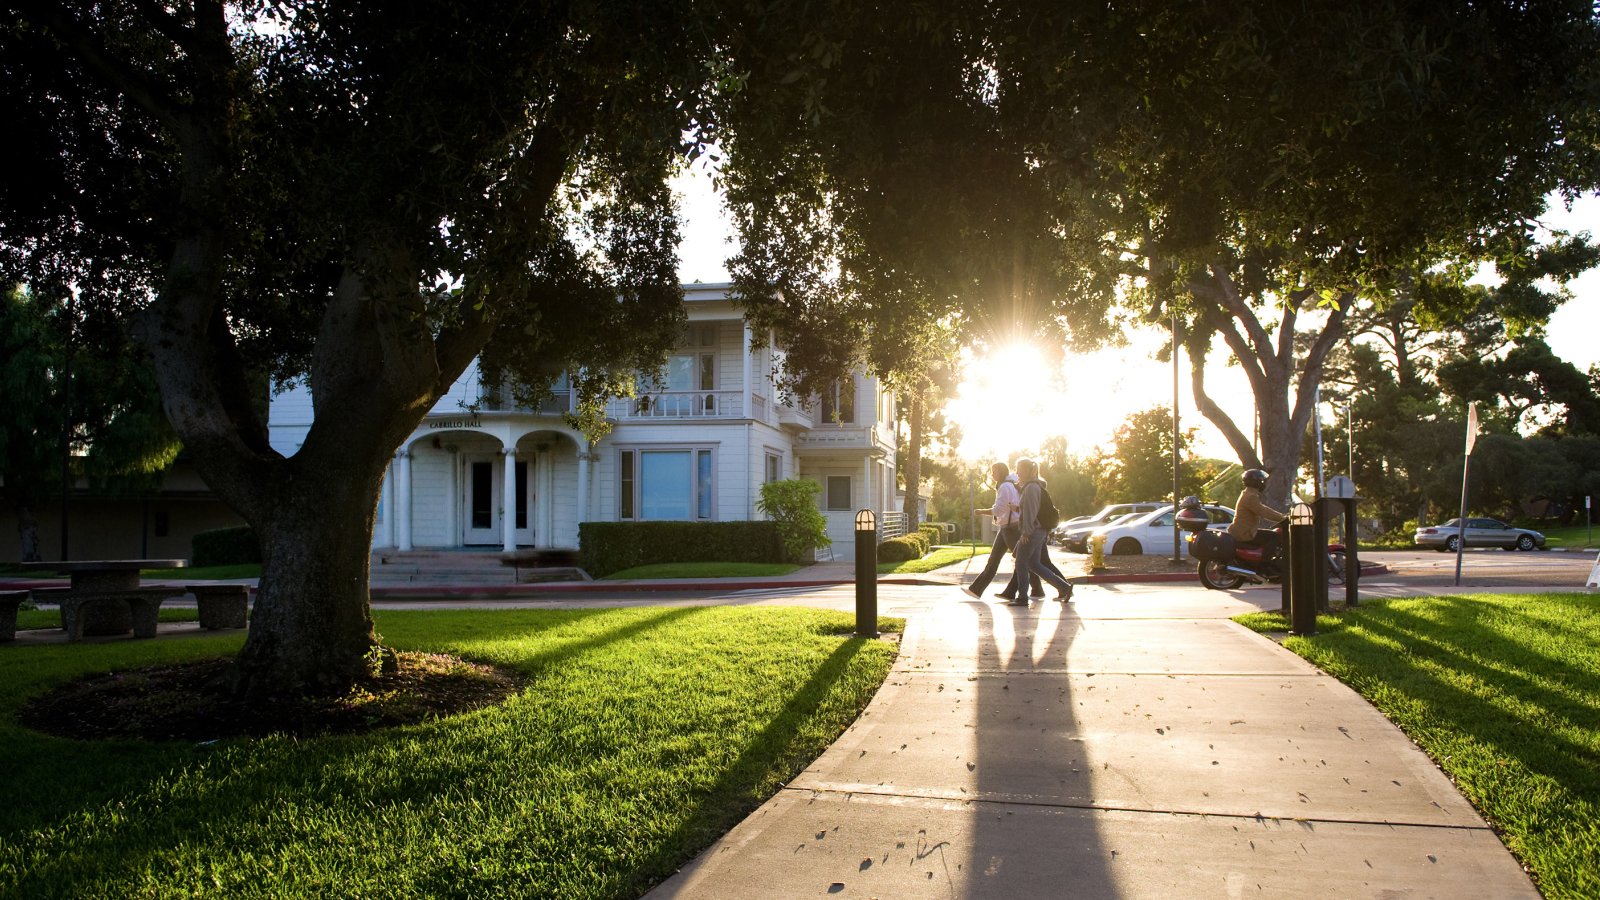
column 1030, row 546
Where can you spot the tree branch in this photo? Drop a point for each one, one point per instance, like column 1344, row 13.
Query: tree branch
column 1242, row 445
column 150, row 95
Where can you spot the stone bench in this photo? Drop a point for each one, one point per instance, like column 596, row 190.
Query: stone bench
column 221, row 605
column 9, row 602
column 80, row 608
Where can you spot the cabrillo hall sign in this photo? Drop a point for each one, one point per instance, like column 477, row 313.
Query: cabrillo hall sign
column 472, row 422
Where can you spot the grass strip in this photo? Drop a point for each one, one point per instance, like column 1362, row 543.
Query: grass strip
column 643, row 735
column 938, row 558
column 1503, row 692
column 703, row 570
column 50, row 617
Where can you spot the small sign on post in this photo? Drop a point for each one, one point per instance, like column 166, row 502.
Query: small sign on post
column 866, row 574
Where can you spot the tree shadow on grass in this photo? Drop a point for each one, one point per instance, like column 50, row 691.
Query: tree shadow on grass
column 456, row 807
column 1526, row 737
column 777, row 752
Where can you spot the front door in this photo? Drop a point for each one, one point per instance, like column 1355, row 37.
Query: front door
column 483, row 501
column 480, row 515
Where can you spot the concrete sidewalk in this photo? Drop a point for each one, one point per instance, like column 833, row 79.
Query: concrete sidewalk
column 1106, row 751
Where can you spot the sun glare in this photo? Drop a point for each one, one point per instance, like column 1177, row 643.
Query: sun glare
column 1010, row 401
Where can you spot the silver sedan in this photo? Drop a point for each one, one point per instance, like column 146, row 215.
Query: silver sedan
column 1479, row 533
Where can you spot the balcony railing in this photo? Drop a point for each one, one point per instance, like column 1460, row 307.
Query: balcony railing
column 499, row 399
column 800, row 416
column 860, row 437
column 678, row 405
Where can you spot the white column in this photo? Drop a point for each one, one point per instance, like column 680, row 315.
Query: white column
column 508, row 499
column 547, row 489
column 866, row 482
column 749, row 409
column 402, row 499
column 583, row 484
column 388, row 536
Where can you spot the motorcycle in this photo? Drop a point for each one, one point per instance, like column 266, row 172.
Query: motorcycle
column 1225, row 564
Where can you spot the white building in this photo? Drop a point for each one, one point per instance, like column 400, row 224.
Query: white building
column 699, row 449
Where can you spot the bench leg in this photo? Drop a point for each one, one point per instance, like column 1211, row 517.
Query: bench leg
column 72, row 618
column 146, row 614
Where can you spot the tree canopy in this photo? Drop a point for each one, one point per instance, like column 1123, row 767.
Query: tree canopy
column 363, row 198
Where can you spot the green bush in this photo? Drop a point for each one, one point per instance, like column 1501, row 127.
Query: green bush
column 903, row 549
column 225, row 547
column 932, row 532
column 606, row 547
column 792, row 505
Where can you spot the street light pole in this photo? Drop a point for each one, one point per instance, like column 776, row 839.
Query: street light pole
column 1176, row 546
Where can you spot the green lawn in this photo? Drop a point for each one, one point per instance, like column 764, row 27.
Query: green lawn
column 50, row 617
column 1503, row 691
column 940, row 557
column 1571, row 536
column 704, row 570
column 642, row 735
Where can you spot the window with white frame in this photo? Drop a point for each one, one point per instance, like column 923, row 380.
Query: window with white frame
column 665, row 484
column 774, row 467
column 838, row 492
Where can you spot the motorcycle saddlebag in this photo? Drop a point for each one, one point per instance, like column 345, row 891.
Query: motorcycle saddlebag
column 1212, row 545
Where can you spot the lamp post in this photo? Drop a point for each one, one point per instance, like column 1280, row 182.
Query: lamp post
column 1177, row 545
column 867, row 574
column 1302, row 570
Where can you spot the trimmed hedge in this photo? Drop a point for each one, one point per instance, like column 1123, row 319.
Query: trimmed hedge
column 904, row 548
column 606, row 547
column 225, row 547
column 933, row 533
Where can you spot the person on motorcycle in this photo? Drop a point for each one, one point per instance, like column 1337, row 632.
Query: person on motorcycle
column 1250, row 512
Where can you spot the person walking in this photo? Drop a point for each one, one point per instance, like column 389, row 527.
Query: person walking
column 1004, row 512
column 1030, row 546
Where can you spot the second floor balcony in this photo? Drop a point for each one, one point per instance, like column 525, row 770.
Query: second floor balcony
column 655, row 405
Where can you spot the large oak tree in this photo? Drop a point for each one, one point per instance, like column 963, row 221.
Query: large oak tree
column 364, row 197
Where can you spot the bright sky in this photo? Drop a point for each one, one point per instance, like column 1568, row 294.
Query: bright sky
column 1093, row 394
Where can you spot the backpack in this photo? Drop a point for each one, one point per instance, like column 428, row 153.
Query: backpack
column 1049, row 517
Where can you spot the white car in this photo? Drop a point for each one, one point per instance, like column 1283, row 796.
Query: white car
column 1074, row 533
column 1151, row 532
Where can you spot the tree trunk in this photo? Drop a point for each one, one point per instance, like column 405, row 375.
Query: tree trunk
column 28, row 531
column 913, row 461
column 311, row 630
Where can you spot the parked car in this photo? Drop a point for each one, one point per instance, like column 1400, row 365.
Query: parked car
column 1073, row 534
column 1480, row 533
column 1151, row 532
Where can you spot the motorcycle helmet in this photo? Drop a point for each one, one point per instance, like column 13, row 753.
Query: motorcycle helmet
column 1256, row 478
column 1189, row 502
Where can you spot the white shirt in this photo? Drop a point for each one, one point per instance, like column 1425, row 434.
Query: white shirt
column 1007, row 503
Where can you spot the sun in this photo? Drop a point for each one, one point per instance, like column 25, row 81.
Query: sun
column 1004, row 403
column 1012, row 399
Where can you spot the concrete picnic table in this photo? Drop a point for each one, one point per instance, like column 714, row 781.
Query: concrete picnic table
column 105, row 596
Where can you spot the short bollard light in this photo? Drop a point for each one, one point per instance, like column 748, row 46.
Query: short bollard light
column 866, row 574
column 1302, row 574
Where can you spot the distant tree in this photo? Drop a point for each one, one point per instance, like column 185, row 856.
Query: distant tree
column 110, row 420
column 1074, row 480
column 1139, row 466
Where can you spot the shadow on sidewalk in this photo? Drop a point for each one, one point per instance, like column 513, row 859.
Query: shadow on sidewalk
column 1031, row 762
